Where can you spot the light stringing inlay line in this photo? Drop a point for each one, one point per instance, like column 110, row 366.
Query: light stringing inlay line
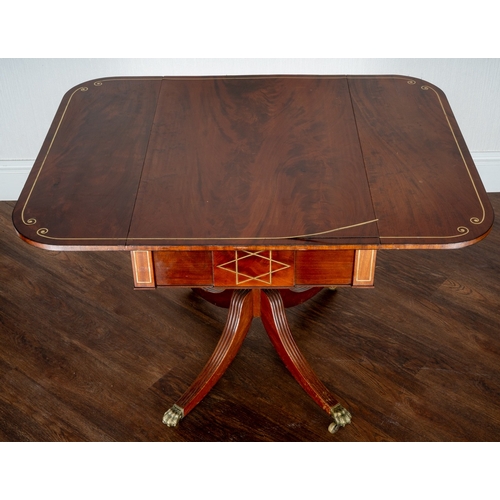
column 265, row 278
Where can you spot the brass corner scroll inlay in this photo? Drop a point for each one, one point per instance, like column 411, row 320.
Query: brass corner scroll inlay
column 241, row 266
column 31, row 221
column 473, row 220
column 44, row 231
column 461, row 230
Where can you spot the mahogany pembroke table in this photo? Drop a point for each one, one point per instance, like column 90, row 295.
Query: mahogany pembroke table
column 256, row 191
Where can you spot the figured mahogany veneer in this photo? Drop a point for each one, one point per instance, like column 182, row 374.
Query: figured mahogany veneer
column 253, row 268
column 182, row 268
column 219, row 163
column 328, row 267
column 258, row 191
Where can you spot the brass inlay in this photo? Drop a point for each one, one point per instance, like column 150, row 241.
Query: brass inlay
column 359, row 260
column 140, row 265
column 259, row 238
column 241, row 277
column 461, row 230
column 43, row 232
column 474, row 220
column 31, row 221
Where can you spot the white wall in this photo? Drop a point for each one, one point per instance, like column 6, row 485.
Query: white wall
column 31, row 89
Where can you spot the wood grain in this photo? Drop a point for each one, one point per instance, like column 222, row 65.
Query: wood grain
column 247, row 160
column 326, row 267
column 276, row 325
column 219, row 163
column 83, row 184
column 413, row 149
column 238, row 322
column 183, row 268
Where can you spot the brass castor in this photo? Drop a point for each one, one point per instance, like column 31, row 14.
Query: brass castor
column 173, row 416
column 341, row 417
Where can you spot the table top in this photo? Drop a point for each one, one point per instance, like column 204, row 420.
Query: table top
column 303, row 162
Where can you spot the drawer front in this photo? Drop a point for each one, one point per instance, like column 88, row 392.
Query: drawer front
column 193, row 268
column 259, row 268
column 244, row 268
column 324, row 267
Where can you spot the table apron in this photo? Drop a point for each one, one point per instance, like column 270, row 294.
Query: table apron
column 253, row 268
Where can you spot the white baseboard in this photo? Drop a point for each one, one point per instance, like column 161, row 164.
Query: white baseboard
column 488, row 166
column 13, row 173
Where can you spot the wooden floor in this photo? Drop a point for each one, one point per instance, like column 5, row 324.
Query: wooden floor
column 84, row 357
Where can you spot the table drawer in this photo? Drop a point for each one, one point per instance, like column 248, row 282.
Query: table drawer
column 192, row 268
column 324, row 267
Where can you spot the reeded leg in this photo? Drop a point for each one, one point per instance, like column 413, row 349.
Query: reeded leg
column 274, row 319
column 237, row 325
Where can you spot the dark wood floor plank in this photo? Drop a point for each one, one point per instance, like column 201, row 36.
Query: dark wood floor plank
column 48, row 413
column 84, row 357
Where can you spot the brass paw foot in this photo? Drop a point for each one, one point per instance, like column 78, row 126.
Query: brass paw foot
column 173, row 416
column 341, row 417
